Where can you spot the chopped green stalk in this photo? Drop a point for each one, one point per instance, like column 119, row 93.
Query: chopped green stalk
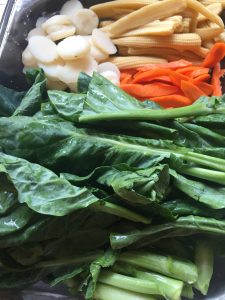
column 183, row 270
column 204, row 260
column 188, row 291
column 107, row 292
column 129, row 283
column 168, row 287
column 214, row 176
column 120, row 211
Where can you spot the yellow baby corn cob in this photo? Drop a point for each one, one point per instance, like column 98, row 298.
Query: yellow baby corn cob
column 199, row 8
column 215, row 8
column 107, row 9
column 208, row 33
column 186, row 25
column 162, row 52
column 208, row 2
column 129, row 62
column 146, row 14
column 177, row 19
column 159, row 29
column 181, row 41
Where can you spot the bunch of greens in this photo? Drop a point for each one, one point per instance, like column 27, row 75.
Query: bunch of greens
column 116, row 198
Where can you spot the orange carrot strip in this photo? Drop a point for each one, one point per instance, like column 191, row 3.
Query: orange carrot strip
column 171, row 65
column 206, row 88
column 215, row 55
column 177, row 77
column 125, row 78
column 172, row 101
column 149, row 75
column 191, row 91
column 188, row 70
column 201, row 78
column 199, row 72
column 149, row 90
column 217, row 91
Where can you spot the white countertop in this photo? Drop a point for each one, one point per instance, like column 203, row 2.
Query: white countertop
column 2, row 7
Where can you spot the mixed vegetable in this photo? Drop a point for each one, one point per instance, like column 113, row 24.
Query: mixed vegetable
column 116, row 198
column 112, row 164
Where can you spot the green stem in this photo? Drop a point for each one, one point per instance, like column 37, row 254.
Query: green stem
column 128, row 283
column 214, row 176
column 188, row 292
column 204, row 260
column 150, row 115
column 108, row 292
column 173, row 267
column 168, row 287
column 120, row 211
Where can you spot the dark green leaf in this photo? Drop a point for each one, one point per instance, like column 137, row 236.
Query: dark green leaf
column 9, row 101
column 31, row 103
column 83, row 83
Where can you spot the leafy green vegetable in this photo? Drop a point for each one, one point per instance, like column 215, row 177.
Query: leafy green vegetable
column 83, row 83
column 9, row 101
column 31, row 103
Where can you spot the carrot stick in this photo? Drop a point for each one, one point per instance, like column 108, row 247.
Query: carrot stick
column 188, row 70
column 201, row 78
column 171, row 65
column 149, row 75
column 217, row 74
column 125, row 78
column 215, row 55
column 177, row 77
column 149, row 90
column 201, row 71
column 206, row 88
column 172, row 101
column 191, row 91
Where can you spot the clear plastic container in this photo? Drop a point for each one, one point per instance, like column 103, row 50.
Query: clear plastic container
column 19, row 18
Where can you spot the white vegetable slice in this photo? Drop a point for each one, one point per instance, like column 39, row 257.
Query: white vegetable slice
column 103, row 42
column 36, row 32
column 71, row 7
column 108, row 66
column 57, row 20
column 73, row 47
column 62, row 33
column 111, row 76
column 97, row 54
column 41, row 21
column 56, row 85
column 43, row 49
column 85, row 21
column 70, row 72
column 72, row 86
column 52, row 70
column 28, row 59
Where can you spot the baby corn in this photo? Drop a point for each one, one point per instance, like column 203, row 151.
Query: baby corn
column 186, row 25
column 181, row 41
column 209, row 33
column 129, row 62
column 198, row 7
column 215, row 8
column 159, row 29
column 142, row 16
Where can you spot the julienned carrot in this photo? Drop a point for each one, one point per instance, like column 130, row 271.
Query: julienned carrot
column 188, row 70
column 217, row 91
column 125, row 78
column 199, row 72
column 201, row 78
column 172, row 101
column 215, row 55
column 149, row 75
column 171, row 65
column 177, row 77
column 150, row 90
column 191, row 90
column 206, row 88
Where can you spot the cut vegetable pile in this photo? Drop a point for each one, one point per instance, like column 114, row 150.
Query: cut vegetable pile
column 112, row 164
column 116, row 198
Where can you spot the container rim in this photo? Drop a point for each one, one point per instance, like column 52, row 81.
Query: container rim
column 6, row 18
